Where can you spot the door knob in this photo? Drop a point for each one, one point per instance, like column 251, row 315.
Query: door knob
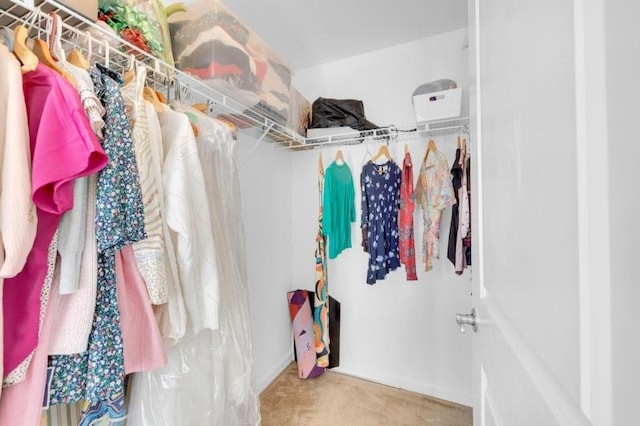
column 470, row 319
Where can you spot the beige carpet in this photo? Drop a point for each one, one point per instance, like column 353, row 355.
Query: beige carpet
column 334, row 399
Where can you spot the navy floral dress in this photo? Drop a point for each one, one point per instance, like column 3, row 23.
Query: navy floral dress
column 380, row 185
column 98, row 374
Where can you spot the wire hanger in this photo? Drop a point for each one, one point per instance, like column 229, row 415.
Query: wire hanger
column 130, row 73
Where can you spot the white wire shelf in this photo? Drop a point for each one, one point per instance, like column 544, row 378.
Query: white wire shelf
column 106, row 47
column 386, row 134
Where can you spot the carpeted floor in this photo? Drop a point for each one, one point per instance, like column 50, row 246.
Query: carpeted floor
column 334, row 399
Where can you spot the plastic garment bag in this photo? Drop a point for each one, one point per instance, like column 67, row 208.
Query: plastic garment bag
column 209, row 375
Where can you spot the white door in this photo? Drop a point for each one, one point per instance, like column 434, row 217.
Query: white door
column 535, row 355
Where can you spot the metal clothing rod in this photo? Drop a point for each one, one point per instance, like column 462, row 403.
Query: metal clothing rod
column 386, row 134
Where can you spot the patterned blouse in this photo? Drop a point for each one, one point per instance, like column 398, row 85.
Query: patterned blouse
column 434, row 193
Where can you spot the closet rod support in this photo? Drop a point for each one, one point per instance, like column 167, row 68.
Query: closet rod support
column 255, row 146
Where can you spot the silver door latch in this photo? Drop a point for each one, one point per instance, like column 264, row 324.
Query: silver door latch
column 470, row 319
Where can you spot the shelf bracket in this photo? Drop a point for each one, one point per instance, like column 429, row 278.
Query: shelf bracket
column 255, row 146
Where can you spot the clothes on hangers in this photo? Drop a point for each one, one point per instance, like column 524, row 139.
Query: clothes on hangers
column 188, row 216
column 74, row 311
column 150, row 252
column 97, row 375
column 338, row 207
column 465, row 214
column 48, row 98
column 405, row 219
column 456, row 181
column 380, row 186
column 78, row 316
column 460, row 212
column 434, row 193
column 158, row 404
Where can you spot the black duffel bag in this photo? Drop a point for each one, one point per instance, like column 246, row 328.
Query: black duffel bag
column 339, row 112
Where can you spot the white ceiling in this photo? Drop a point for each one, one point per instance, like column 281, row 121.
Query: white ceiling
column 312, row 32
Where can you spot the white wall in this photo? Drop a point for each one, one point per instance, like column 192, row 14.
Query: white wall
column 396, row 332
column 266, row 209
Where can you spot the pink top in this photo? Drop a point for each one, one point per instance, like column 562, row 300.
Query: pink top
column 63, row 148
column 141, row 339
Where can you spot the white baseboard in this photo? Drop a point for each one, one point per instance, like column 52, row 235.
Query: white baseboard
column 263, row 382
column 421, row 388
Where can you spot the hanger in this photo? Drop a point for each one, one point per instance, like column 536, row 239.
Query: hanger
column 6, row 37
column 431, row 146
column 383, row 150
column 150, row 95
column 161, row 97
column 201, row 106
column 28, row 59
column 320, row 164
column 366, row 154
column 339, row 156
column 41, row 50
column 458, row 143
column 406, row 148
column 130, row 73
column 76, row 58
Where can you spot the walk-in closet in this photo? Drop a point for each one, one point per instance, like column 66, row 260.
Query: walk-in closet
column 318, row 213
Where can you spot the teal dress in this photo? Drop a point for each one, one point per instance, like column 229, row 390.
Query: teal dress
column 97, row 375
column 339, row 207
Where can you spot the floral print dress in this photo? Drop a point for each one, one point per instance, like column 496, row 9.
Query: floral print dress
column 434, row 193
column 97, row 375
column 380, row 185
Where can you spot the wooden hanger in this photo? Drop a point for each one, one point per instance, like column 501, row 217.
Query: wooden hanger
column 161, row 97
column 150, row 95
column 320, row 164
column 458, row 143
column 76, row 57
column 201, row 106
column 431, row 146
column 339, row 156
column 28, row 59
column 383, row 150
column 41, row 50
column 406, row 148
